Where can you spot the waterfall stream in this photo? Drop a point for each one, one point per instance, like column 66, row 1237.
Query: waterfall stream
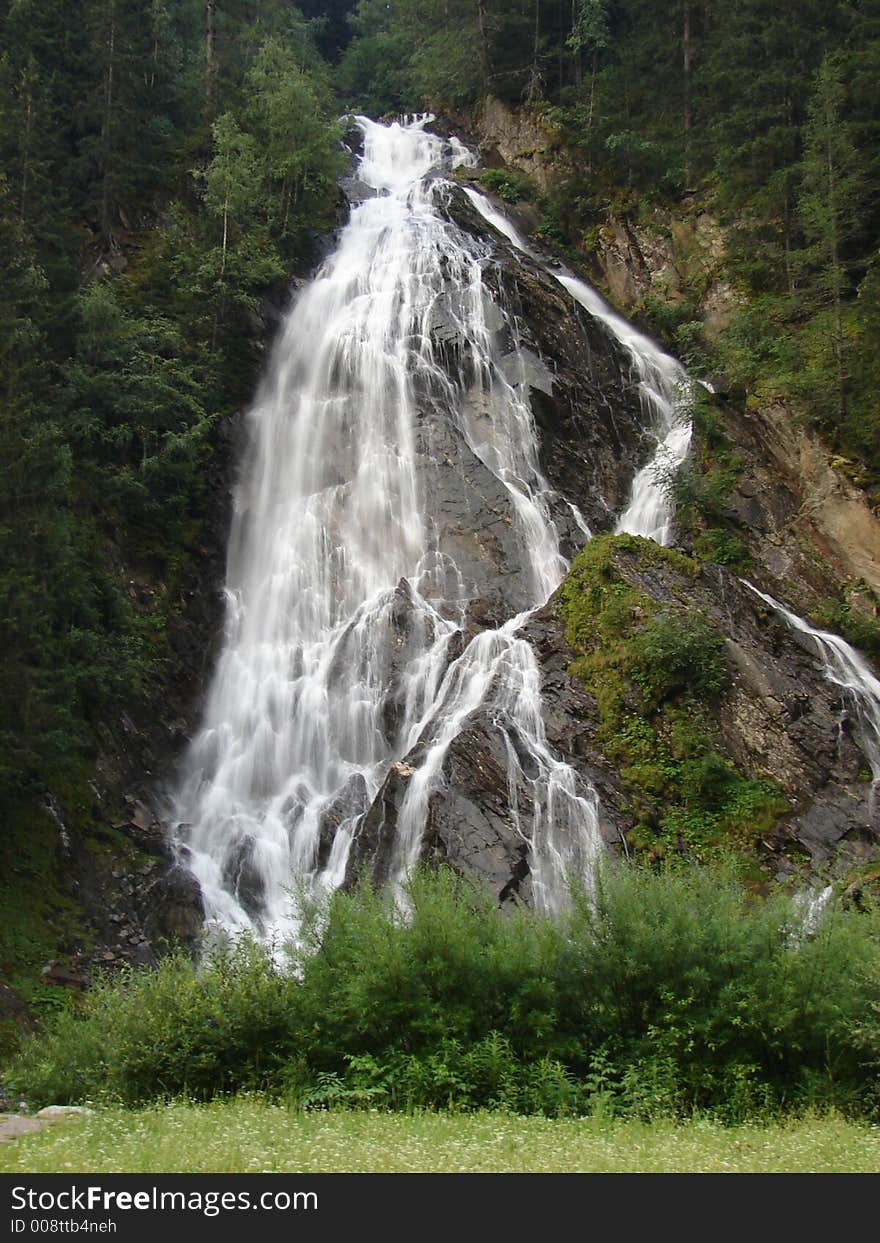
column 665, row 393
column 349, row 585
column 844, row 667
column 320, row 687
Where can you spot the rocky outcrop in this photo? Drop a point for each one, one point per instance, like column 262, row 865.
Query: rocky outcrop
column 674, row 258
column 583, row 394
column 781, row 719
column 517, row 138
column 174, row 911
column 474, row 823
column 808, row 526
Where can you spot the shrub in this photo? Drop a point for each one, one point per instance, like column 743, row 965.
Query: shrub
column 222, row 1027
column 656, row 993
column 507, row 185
column 677, row 652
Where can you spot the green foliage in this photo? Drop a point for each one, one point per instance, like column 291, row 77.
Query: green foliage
column 723, row 547
column 656, row 994
column 251, row 1133
column 656, row 672
column 859, row 629
column 675, row 652
column 166, row 1032
column 507, row 185
column 701, row 488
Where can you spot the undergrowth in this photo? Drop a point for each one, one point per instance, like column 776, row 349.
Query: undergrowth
column 654, row 995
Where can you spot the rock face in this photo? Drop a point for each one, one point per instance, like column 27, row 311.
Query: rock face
column 808, row 526
column 518, row 139
column 781, row 719
column 582, row 390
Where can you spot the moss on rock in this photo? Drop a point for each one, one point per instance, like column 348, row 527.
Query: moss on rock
column 657, row 670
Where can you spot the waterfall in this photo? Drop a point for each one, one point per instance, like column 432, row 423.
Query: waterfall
column 665, row 393
column 843, row 666
column 346, row 583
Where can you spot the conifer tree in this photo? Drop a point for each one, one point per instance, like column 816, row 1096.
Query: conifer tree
column 828, row 204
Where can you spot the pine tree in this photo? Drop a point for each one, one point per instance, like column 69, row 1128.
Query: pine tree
column 829, row 201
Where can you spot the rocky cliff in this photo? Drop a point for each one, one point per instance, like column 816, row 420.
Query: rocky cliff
column 798, row 792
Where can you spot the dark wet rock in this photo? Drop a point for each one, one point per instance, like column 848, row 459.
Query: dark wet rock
column 474, row 519
column 176, row 910
column 357, row 191
column 242, row 877
column 350, row 803
column 471, row 824
column 580, row 381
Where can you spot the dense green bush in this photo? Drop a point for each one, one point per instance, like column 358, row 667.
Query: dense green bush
column 653, row 994
column 176, row 1030
column 678, row 652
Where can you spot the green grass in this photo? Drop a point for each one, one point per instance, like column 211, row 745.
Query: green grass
column 248, row 1135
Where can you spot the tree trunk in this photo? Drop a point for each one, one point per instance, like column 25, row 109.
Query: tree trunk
column 484, row 43
column 534, row 91
column 106, row 140
column 836, row 274
column 687, row 60
column 26, row 151
column 225, row 232
column 210, row 58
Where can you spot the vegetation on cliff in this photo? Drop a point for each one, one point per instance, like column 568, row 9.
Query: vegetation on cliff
column 657, row 672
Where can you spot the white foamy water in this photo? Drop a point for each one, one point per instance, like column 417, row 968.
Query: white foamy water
column 333, row 542
column 844, row 667
column 665, row 393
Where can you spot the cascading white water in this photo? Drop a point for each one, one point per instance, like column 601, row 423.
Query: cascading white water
column 332, row 530
column 665, row 392
column 844, row 667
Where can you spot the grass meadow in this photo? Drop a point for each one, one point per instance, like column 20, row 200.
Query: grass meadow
column 250, row 1135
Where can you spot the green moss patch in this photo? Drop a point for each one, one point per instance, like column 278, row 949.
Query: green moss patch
column 658, row 673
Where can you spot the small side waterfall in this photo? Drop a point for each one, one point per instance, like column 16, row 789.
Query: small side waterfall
column 844, row 667
column 665, row 392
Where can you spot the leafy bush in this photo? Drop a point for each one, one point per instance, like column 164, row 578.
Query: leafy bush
column 655, row 994
column 178, row 1029
column 507, row 185
column 677, row 652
